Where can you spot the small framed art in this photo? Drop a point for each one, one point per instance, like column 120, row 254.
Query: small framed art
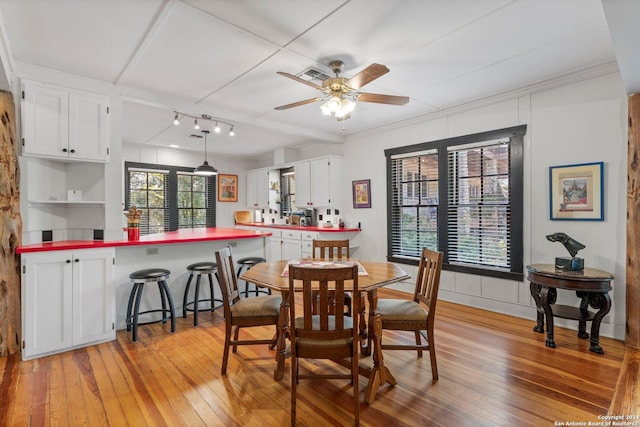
column 362, row 193
column 227, row 188
column 577, row 192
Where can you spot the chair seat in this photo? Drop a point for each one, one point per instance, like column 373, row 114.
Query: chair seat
column 257, row 307
column 202, row 266
column 403, row 310
column 149, row 274
column 299, row 324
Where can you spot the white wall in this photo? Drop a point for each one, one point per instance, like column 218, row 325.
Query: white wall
column 576, row 123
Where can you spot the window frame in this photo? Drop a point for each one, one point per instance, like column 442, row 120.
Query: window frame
column 516, row 178
column 172, row 191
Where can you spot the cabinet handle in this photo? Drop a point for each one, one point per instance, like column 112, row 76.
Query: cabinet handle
column 73, row 151
column 64, row 150
column 68, row 261
column 76, row 260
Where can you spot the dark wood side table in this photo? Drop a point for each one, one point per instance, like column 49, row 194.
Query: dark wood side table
column 592, row 286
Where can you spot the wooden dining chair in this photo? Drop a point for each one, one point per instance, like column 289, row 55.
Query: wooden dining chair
column 332, row 249
column 245, row 312
column 416, row 315
column 323, row 335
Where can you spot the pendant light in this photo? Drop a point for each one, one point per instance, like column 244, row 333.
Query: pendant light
column 205, row 169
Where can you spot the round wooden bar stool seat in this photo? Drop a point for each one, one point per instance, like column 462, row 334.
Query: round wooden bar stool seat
column 198, row 269
column 247, row 263
column 139, row 279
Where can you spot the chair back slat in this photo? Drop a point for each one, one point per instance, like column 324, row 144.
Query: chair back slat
column 330, row 249
column 428, row 280
column 227, row 277
column 325, row 322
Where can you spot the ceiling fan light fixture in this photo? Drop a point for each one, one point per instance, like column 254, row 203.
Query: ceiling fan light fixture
column 334, row 104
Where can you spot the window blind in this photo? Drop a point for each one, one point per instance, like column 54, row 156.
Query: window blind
column 479, row 208
column 414, row 210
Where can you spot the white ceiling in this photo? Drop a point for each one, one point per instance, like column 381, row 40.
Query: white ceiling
column 220, row 57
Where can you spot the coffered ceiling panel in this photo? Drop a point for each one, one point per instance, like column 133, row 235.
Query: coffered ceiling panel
column 221, row 58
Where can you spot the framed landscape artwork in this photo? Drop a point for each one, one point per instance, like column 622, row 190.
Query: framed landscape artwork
column 227, row 188
column 576, row 192
column 362, row 193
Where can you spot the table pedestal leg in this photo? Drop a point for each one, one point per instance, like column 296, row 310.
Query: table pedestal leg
column 603, row 302
column 548, row 297
column 535, row 293
column 380, row 374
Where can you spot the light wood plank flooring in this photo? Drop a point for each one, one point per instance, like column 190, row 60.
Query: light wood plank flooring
column 494, row 371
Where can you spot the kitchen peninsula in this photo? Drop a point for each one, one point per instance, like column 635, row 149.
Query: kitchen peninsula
column 75, row 293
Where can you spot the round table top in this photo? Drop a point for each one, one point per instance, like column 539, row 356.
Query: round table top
column 586, row 274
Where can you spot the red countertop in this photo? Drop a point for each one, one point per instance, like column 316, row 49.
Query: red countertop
column 301, row 227
column 171, row 237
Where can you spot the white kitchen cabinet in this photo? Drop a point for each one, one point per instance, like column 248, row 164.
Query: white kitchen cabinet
column 319, row 182
column 275, row 243
column 258, row 188
column 68, row 300
column 64, row 124
column 307, row 243
column 291, row 244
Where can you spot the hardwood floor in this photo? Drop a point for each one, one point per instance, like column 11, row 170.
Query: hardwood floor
column 494, row 371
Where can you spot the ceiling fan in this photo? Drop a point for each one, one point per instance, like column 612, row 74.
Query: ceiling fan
column 341, row 93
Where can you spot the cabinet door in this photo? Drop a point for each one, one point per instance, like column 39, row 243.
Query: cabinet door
column 93, row 296
column 276, row 248
column 88, row 127
column 46, row 302
column 291, row 249
column 303, row 184
column 45, row 120
column 262, row 188
column 252, row 199
column 320, row 191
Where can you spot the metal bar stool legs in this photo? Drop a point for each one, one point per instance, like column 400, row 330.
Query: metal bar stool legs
column 247, row 263
column 198, row 269
column 139, row 278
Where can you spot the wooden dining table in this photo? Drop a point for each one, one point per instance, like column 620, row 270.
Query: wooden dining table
column 378, row 273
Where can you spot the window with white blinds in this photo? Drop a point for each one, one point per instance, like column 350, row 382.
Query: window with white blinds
column 148, row 191
column 461, row 196
column 170, row 197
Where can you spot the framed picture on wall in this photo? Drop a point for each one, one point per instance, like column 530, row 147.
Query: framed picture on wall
column 577, row 192
column 362, row 193
column 227, row 188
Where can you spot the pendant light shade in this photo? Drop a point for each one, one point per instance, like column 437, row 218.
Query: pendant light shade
column 205, row 169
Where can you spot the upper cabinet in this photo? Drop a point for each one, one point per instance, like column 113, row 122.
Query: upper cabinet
column 65, row 124
column 319, row 182
column 258, row 188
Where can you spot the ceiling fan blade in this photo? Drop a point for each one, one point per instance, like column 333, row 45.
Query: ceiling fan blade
column 299, row 103
column 367, row 75
column 298, row 79
column 383, row 99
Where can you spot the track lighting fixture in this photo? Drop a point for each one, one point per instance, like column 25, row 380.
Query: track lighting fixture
column 197, row 126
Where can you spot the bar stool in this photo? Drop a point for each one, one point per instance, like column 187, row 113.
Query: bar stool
column 139, row 278
column 247, row 263
column 198, row 269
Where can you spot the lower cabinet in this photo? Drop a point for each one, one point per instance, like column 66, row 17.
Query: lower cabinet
column 68, row 300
